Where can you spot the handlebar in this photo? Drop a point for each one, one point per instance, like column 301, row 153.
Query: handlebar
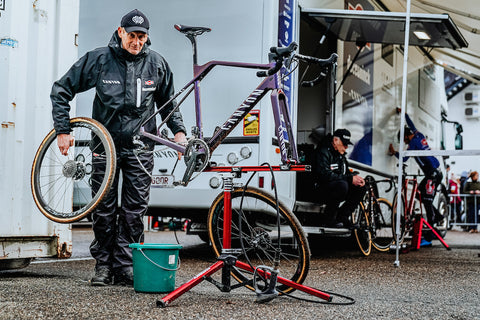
column 320, row 62
column 369, row 180
column 278, row 54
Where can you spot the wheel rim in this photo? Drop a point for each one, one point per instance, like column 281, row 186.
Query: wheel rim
column 363, row 233
column 382, row 235
column 67, row 188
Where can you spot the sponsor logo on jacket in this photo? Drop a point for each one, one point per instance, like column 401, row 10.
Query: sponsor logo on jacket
column 111, row 81
column 149, row 85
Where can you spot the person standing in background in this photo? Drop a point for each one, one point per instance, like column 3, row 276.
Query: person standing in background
column 455, row 199
column 472, row 187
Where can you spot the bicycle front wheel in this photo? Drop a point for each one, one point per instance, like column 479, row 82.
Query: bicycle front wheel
column 67, row 188
column 382, row 236
column 259, row 236
column 363, row 233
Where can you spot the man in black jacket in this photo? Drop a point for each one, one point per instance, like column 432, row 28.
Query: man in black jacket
column 335, row 181
column 129, row 80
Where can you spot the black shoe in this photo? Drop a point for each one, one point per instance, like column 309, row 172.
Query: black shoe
column 348, row 224
column 438, row 218
column 102, row 277
column 124, row 278
column 334, row 225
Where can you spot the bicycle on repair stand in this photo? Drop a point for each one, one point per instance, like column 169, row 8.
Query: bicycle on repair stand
column 267, row 233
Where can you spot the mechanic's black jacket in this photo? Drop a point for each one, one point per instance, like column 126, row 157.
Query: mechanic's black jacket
column 329, row 165
column 126, row 88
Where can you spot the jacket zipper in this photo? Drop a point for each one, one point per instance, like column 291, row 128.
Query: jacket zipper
column 139, row 92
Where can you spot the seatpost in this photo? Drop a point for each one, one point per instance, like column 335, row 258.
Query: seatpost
column 227, row 210
column 193, row 40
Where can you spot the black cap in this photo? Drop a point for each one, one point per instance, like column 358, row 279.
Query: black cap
column 135, row 20
column 344, row 135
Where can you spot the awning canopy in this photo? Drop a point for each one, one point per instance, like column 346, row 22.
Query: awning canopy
column 426, row 30
column 453, row 28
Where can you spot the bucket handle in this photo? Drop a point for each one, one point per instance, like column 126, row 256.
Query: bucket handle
column 156, row 264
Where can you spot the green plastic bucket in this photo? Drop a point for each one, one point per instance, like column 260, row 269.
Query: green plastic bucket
column 154, row 266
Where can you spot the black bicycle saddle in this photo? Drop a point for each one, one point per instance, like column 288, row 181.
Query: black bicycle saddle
column 192, row 30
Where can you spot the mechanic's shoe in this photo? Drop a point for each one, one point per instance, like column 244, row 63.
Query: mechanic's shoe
column 337, row 225
column 425, row 243
column 124, row 278
column 347, row 223
column 102, row 277
column 438, row 218
column 334, row 225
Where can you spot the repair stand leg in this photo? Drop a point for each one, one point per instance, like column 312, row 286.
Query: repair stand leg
column 417, row 233
column 165, row 301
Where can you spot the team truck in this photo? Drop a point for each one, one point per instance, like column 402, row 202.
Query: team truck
column 38, row 41
column 363, row 96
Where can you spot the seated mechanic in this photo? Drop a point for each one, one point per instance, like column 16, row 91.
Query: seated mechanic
column 430, row 168
column 334, row 180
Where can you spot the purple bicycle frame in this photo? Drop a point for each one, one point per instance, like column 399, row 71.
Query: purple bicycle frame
column 283, row 125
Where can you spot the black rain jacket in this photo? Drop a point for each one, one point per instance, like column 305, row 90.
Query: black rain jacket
column 127, row 88
column 329, row 165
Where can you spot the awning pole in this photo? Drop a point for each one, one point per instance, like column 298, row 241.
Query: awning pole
column 402, row 132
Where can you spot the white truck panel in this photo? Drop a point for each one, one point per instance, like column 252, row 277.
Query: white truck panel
column 37, row 40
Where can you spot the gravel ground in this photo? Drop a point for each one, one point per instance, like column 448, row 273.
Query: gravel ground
column 431, row 283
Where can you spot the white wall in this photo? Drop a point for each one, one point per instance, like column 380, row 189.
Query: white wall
column 471, row 133
column 43, row 41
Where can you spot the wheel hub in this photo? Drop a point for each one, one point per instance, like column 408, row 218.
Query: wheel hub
column 74, row 169
column 261, row 238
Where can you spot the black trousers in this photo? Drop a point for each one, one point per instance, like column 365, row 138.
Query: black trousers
column 428, row 190
column 334, row 192
column 114, row 226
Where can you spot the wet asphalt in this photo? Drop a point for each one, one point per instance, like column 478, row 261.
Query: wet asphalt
column 431, row 283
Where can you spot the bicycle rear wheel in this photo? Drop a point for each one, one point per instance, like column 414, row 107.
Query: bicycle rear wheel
column 382, row 236
column 67, row 188
column 442, row 207
column 259, row 236
column 363, row 233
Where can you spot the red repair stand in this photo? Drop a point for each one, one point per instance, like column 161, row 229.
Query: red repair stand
column 227, row 260
column 417, row 233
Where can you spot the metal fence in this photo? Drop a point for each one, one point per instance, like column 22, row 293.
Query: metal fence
column 459, row 212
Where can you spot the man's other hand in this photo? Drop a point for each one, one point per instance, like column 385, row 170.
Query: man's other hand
column 64, row 142
column 391, row 150
column 181, row 139
column 358, row 181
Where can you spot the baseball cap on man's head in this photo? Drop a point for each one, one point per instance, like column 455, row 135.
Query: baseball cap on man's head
column 344, row 135
column 135, row 20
